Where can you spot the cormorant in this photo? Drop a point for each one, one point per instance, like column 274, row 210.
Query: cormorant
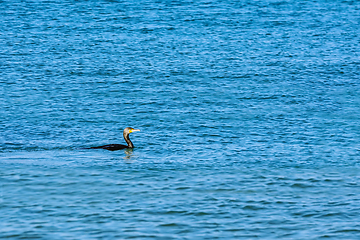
column 114, row 147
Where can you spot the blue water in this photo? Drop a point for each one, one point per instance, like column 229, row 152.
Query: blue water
column 249, row 115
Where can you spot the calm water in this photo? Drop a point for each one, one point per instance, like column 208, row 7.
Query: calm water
column 249, row 116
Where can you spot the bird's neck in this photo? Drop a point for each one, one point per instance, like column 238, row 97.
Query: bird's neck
column 128, row 141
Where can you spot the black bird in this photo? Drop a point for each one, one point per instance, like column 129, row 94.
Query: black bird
column 114, row 147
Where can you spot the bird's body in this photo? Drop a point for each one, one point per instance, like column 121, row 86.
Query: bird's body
column 114, row 147
column 111, row 147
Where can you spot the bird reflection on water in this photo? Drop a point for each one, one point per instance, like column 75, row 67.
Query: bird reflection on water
column 130, row 157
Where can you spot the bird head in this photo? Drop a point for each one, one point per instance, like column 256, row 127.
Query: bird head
column 129, row 130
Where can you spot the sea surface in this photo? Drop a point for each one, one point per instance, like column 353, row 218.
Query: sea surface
column 249, row 114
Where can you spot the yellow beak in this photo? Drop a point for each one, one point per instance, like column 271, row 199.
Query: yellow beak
column 134, row 130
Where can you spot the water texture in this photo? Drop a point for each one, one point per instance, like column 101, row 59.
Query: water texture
column 249, row 115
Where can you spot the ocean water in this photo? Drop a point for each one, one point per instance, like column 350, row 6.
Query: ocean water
column 249, row 114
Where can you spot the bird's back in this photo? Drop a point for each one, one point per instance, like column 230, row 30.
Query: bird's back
column 111, row 147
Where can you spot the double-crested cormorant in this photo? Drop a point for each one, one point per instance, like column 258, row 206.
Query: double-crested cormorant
column 114, row 147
